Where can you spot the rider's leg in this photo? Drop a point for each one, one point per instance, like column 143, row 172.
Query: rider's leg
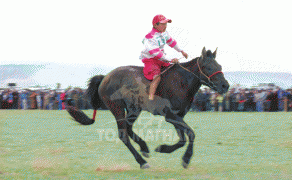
column 153, row 86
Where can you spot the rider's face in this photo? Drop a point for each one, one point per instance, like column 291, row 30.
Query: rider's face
column 161, row 27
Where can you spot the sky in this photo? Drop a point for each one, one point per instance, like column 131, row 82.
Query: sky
column 251, row 35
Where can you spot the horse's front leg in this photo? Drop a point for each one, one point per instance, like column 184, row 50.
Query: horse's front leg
column 181, row 128
column 189, row 152
column 170, row 148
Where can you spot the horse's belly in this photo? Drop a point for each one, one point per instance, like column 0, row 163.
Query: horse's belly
column 136, row 100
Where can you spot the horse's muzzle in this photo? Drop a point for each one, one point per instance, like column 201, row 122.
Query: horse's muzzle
column 222, row 87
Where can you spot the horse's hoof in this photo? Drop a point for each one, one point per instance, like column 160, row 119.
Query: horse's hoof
column 158, row 149
column 145, row 154
column 145, row 166
column 185, row 165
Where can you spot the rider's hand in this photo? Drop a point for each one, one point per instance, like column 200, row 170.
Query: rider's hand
column 184, row 54
column 174, row 60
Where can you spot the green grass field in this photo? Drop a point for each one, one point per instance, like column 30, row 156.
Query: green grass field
column 49, row 145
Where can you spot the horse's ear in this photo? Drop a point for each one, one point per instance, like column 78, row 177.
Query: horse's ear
column 204, row 52
column 214, row 53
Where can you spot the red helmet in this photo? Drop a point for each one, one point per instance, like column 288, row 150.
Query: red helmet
column 160, row 18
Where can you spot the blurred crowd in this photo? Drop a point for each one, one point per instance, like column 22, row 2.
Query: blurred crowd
column 237, row 99
column 42, row 99
column 260, row 100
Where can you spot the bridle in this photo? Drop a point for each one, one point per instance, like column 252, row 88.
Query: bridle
column 208, row 77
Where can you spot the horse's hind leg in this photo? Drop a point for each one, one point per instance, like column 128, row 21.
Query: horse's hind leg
column 131, row 117
column 119, row 113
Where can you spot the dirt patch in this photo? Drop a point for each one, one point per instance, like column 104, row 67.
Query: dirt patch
column 92, row 144
column 160, row 169
column 114, row 168
column 42, row 163
column 56, row 151
column 9, row 174
column 3, row 151
column 192, row 171
column 286, row 144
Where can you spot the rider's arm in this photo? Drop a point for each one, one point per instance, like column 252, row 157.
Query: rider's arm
column 172, row 43
column 154, row 51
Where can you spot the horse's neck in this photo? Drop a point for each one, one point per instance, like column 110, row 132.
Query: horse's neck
column 186, row 73
column 192, row 66
column 193, row 75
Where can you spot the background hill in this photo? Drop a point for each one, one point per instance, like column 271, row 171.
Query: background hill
column 248, row 79
column 49, row 74
column 77, row 76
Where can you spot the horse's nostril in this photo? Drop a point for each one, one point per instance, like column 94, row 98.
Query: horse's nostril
column 225, row 87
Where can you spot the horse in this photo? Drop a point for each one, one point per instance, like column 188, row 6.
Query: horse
column 125, row 91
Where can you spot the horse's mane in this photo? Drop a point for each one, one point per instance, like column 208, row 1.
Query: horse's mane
column 190, row 62
column 209, row 53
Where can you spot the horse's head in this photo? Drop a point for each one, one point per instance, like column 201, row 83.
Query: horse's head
column 211, row 74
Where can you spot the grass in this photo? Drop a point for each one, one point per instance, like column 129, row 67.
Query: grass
column 48, row 145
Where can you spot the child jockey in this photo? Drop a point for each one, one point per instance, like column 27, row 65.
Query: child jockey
column 153, row 55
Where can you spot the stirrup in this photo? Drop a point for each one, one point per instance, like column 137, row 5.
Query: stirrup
column 150, row 98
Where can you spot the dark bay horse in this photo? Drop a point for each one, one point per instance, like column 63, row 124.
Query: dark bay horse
column 125, row 92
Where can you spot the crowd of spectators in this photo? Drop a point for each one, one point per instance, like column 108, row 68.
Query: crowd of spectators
column 236, row 100
column 42, row 99
column 205, row 100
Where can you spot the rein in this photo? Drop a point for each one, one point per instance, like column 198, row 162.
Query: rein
column 200, row 70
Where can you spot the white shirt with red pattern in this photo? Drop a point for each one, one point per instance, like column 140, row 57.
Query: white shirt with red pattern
column 154, row 45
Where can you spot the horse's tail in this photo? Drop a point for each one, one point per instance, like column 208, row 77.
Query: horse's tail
column 95, row 101
column 92, row 91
